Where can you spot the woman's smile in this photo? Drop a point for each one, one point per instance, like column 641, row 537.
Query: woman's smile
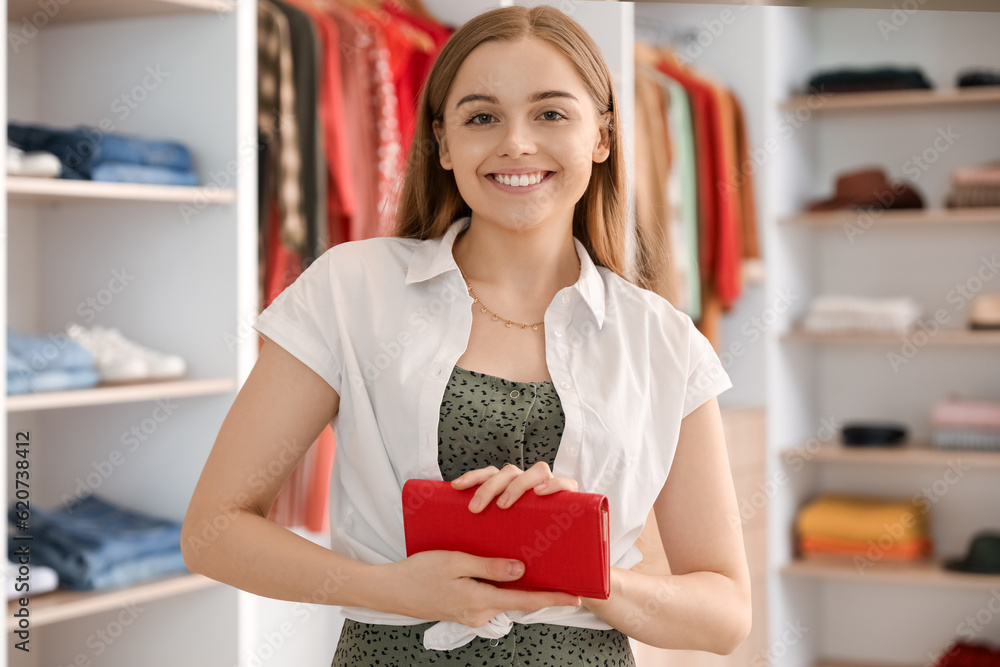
column 521, row 182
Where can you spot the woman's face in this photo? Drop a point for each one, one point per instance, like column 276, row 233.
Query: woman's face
column 520, row 133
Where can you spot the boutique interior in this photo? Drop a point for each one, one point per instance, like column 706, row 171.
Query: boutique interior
column 821, row 179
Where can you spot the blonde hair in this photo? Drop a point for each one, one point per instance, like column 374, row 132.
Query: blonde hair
column 431, row 201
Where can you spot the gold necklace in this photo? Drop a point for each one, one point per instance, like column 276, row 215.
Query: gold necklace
column 486, row 309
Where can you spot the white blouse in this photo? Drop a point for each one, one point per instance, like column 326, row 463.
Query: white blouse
column 384, row 321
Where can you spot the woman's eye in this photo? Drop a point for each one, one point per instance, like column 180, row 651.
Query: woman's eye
column 552, row 115
column 479, row 119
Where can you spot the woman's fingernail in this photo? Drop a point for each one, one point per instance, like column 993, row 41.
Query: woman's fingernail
column 516, row 569
column 503, row 501
column 542, row 487
column 476, row 504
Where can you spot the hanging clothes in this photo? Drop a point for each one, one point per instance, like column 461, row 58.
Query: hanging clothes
column 337, row 101
column 713, row 226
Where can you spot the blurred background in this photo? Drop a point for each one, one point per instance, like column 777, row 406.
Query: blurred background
column 824, row 177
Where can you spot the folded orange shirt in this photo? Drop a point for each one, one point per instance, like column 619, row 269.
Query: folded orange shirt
column 911, row 549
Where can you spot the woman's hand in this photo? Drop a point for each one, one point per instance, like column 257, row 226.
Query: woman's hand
column 442, row 585
column 510, row 484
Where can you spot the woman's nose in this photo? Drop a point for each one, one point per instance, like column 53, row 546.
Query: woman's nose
column 517, row 139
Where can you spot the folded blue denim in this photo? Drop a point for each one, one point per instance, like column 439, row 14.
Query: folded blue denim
column 75, row 574
column 81, row 148
column 18, row 375
column 124, row 172
column 49, row 352
column 94, row 542
column 47, row 363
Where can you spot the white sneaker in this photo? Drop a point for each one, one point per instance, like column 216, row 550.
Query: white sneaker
column 114, row 364
column 36, row 163
column 159, row 365
column 40, row 578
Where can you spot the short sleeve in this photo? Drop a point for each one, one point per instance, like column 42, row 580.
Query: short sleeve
column 304, row 320
column 706, row 376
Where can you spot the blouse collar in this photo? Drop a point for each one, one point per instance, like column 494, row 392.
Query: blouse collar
column 434, row 257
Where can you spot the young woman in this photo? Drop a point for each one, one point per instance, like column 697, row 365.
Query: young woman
column 493, row 342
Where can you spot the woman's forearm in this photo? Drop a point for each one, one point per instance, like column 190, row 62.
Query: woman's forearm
column 247, row 551
column 697, row 611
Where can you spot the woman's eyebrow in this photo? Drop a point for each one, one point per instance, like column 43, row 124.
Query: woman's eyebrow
column 534, row 97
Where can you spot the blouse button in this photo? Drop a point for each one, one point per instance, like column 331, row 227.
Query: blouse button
column 515, row 393
column 565, row 298
column 558, row 333
column 437, row 371
column 564, row 385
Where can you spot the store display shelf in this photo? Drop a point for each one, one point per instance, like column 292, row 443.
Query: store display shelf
column 952, row 336
column 894, row 98
column 61, row 604
column 865, row 220
column 99, row 395
column 30, row 11
column 24, row 188
column 907, row 454
column 927, row 574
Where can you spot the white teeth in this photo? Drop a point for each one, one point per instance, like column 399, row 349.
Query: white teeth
column 520, row 180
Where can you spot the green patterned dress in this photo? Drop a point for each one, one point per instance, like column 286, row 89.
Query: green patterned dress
column 488, row 420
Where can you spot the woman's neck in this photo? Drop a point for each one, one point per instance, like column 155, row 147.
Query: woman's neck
column 529, row 263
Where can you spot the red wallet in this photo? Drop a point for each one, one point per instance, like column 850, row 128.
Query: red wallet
column 561, row 538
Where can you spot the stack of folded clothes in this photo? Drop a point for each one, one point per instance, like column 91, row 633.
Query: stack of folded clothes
column 97, row 544
column 47, row 363
column 856, row 80
column 977, row 76
column 89, row 153
column 852, row 525
column 853, row 313
column 963, row 423
column 973, row 186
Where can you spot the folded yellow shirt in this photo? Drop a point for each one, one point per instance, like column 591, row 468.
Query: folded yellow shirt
column 859, row 517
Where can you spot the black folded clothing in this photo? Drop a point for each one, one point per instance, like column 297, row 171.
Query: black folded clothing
column 862, row 80
column 978, row 77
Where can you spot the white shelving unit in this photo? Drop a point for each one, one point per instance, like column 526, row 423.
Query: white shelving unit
column 881, row 614
column 184, row 262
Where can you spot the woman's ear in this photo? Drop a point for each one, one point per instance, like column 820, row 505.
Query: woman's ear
column 602, row 149
column 443, row 155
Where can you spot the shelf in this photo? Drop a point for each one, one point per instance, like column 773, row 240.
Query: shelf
column 889, row 99
column 61, row 604
column 924, row 574
column 945, row 217
column 100, row 10
column 912, row 454
column 145, row 391
column 24, row 188
column 951, row 336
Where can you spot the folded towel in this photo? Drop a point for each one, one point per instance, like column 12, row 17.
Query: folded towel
column 862, row 518
column 848, row 313
column 957, row 411
column 886, row 549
